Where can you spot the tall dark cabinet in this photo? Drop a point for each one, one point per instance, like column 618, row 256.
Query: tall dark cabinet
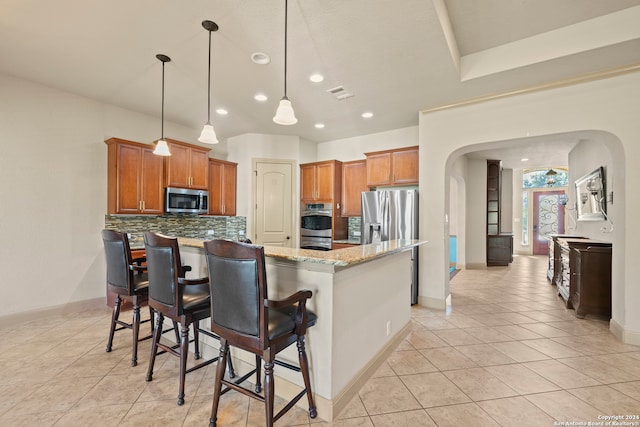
column 499, row 245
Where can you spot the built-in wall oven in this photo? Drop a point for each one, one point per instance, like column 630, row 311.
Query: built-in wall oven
column 315, row 226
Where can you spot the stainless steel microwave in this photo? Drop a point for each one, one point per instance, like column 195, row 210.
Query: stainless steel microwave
column 186, row 200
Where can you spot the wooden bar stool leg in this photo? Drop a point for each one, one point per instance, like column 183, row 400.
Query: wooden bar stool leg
column 304, row 367
column 196, row 341
column 269, row 391
column 217, row 387
column 157, row 331
column 184, row 351
column 136, row 331
column 258, row 388
column 114, row 321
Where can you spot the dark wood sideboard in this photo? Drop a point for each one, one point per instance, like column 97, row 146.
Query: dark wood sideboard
column 584, row 276
column 554, row 255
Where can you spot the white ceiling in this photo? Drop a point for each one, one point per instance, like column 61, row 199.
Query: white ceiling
column 395, row 57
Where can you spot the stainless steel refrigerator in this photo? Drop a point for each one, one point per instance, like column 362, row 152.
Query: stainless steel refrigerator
column 390, row 215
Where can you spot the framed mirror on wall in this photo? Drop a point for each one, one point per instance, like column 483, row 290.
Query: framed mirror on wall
column 591, row 197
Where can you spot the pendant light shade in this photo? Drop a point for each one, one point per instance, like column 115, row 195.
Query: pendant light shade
column 208, row 135
column 284, row 113
column 162, row 149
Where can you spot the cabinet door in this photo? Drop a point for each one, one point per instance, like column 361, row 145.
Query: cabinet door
column 152, row 194
column 222, row 188
column 229, row 177
column 378, row 169
column 308, row 182
column 199, row 169
column 177, row 166
column 405, row 167
column 215, row 188
column 325, row 181
column 354, row 182
column 128, row 179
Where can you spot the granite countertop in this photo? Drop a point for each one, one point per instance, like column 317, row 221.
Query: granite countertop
column 340, row 257
column 350, row 241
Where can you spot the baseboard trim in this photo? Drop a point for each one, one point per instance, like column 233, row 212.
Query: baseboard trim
column 43, row 313
column 352, row 389
column 430, row 302
column 476, row 266
column 626, row 336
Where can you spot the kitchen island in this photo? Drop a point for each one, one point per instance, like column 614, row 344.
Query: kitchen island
column 362, row 296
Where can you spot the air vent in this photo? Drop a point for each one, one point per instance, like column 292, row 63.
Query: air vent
column 340, row 93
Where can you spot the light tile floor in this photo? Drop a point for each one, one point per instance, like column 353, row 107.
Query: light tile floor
column 507, row 354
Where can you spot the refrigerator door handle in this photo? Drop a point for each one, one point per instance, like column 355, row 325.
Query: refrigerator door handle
column 375, row 235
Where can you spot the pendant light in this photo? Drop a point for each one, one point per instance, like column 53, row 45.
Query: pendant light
column 162, row 149
column 284, row 113
column 208, row 135
column 551, row 174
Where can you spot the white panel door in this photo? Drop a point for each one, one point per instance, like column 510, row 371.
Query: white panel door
column 273, row 196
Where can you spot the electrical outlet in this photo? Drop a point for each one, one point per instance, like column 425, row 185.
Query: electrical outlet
column 210, row 232
column 356, row 234
column 241, row 233
column 388, row 327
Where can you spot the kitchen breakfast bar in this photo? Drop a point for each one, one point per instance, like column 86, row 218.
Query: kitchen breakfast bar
column 362, row 296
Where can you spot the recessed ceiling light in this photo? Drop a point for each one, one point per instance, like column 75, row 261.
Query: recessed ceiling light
column 222, row 111
column 316, row 78
column 260, row 97
column 260, row 58
column 319, row 125
column 367, row 115
column 524, row 159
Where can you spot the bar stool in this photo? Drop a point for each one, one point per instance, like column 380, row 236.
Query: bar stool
column 243, row 316
column 185, row 301
column 127, row 278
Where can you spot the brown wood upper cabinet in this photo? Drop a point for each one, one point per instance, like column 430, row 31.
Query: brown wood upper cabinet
column 392, row 167
column 354, row 182
column 321, row 181
column 222, row 187
column 187, row 167
column 134, row 178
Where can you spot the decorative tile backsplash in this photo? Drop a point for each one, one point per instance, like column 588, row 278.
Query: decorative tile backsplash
column 354, row 227
column 178, row 225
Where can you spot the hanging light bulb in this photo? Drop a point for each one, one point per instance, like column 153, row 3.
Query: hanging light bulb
column 162, row 149
column 284, row 113
column 208, row 135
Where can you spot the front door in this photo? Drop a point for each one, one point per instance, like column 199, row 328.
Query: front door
column 548, row 217
column 273, row 203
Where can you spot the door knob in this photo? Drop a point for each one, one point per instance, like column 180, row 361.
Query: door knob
column 288, row 238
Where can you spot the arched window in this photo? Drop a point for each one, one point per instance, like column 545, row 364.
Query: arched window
column 545, row 178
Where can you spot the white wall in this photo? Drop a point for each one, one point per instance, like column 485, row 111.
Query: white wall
column 610, row 105
column 53, row 191
column 476, row 226
column 588, row 155
column 506, row 202
column 348, row 149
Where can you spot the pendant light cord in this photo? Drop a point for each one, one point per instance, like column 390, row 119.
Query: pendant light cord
column 286, row 8
column 209, row 84
column 162, row 119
